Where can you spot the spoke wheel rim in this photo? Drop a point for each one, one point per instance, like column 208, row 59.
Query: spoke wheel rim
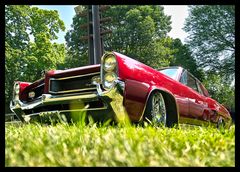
column 158, row 109
column 220, row 123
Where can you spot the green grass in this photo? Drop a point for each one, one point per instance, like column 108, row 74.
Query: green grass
column 91, row 145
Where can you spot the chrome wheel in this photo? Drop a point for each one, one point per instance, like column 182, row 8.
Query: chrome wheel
column 221, row 123
column 161, row 109
column 158, row 110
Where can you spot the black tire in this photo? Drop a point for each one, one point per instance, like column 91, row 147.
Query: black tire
column 155, row 112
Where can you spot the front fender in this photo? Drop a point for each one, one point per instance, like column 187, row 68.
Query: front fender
column 135, row 97
column 220, row 110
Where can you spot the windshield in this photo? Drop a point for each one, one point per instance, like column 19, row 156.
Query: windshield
column 171, row 72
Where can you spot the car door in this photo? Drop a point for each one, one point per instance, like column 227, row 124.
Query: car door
column 182, row 99
column 196, row 101
column 206, row 113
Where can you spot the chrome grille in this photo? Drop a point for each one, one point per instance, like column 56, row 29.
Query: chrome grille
column 72, row 84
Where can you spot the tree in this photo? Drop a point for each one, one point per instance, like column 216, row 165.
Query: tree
column 25, row 58
column 183, row 57
column 77, row 50
column 220, row 90
column 211, row 38
column 138, row 31
column 16, row 24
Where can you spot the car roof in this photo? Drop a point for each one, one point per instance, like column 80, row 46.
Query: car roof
column 169, row 67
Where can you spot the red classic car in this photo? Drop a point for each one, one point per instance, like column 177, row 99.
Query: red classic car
column 120, row 88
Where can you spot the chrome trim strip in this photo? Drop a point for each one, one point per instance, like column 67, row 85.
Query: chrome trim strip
column 77, row 76
column 69, row 91
column 192, row 121
column 48, row 99
column 101, row 68
column 62, row 111
column 39, row 86
column 15, row 122
column 80, row 93
column 31, row 105
column 54, row 99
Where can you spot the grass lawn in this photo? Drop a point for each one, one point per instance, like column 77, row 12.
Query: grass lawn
column 80, row 145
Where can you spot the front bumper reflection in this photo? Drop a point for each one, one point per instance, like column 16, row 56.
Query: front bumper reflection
column 113, row 99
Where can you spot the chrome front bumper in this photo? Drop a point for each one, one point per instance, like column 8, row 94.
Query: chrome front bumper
column 115, row 95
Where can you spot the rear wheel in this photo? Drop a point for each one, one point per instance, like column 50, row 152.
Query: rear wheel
column 155, row 111
column 221, row 123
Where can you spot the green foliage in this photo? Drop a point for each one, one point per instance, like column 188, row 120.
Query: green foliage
column 220, row 90
column 211, row 30
column 16, row 24
column 25, row 60
column 77, row 50
column 183, row 57
column 138, row 31
column 89, row 145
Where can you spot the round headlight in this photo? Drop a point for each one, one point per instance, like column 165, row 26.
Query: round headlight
column 109, row 63
column 109, row 79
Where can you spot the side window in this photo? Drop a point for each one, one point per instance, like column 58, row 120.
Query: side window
column 191, row 82
column 199, row 88
column 204, row 90
column 188, row 80
column 183, row 78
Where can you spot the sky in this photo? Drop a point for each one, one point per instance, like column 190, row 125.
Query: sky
column 178, row 14
column 66, row 13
